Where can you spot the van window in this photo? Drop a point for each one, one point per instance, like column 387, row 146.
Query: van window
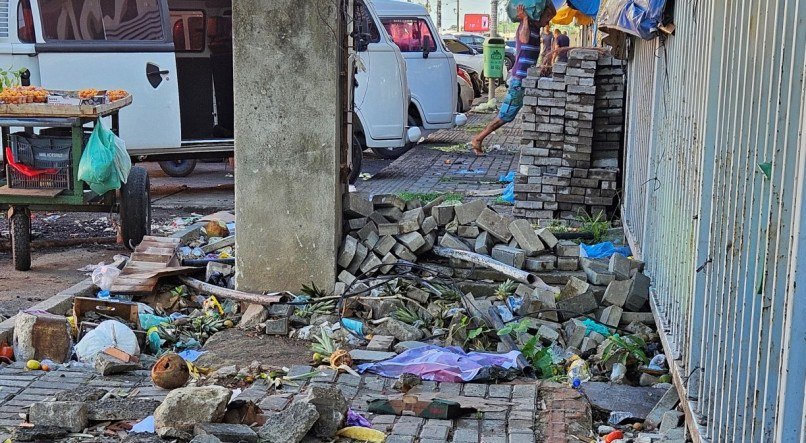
column 408, row 33
column 364, row 24
column 101, row 20
column 25, row 22
column 188, row 30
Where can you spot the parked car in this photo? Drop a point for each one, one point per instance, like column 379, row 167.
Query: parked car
column 476, row 41
column 475, row 79
column 430, row 67
column 465, row 55
column 466, row 91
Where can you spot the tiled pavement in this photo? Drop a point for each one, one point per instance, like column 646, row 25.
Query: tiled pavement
column 426, row 169
column 534, row 412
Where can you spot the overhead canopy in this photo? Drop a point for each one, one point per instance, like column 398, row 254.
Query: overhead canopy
column 636, row 17
column 566, row 15
column 587, row 7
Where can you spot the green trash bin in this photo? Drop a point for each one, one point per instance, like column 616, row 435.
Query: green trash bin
column 494, row 52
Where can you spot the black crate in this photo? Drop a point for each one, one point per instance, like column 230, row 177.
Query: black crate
column 41, row 152
column 63, row 179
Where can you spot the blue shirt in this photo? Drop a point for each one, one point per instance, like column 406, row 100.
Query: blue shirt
column 526, row 53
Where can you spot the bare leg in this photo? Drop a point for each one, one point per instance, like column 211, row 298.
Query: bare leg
column 479, row 139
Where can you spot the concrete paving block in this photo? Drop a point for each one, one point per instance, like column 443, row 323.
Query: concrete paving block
column 470, row 211
column 575, row 332
column 620, row 266
column 548, row 333
column 567, row 248
column 384, row 245
column 495, row 224
column 388, row 201
column 527, row 238
column 357, row 204
column 361, row 252
column 541, row 263
column 510, row 256
column 430, row 241
column 226, row 432
column 346, row 277
column 669, row 400
column 588, row 344
column 465, row 231
column 581, row 304
column 449, row 241
column 277, row 326
column 443, row 214
column 429, row 224
column 611, row 316
column 377, row 218
column 412, row 220
column 368, row 229
column 573, row 288
column 381, row 343
column 403, row 253
column 363, row 355
column 389, row 259
column 385, row 229
column 567, row 263
column 370, row 264
column 355, row 224
column 391, row 214
column 412, row 240
column 548, row 237
column 639, row 292
column 617, row 292
column 483, row 243
column 347, row 251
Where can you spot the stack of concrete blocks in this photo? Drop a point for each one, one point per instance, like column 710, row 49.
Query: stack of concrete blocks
column 608, row 114
column 558, row 179
column 387, row 229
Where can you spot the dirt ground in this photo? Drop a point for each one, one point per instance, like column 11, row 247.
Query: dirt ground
column 236, row 347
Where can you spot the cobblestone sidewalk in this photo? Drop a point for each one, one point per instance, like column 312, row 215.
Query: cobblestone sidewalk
column 530, row 411
column 442, row 164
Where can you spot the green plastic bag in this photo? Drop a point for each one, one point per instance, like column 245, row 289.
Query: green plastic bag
column 97, row 166
column 534, row 8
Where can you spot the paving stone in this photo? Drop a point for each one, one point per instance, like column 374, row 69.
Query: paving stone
column 450, row 389
column 620, row 266
column 521, row 438
column 227, row 432
column 526, row 237
column 567, row 248
column 495, row 224
column 540, row 263
column 381, row 343
column 548, row 237
column 500, row 391
column 412, row 240
column 409, row 429
column 475, row 390
column 400, row 439
column 364, row 355
column 449, row 241
column 524, row 392
column 483, row 244
column 443, row 214
column 465, row 436
column 611, row 316
column 469, row 212
column 357, row 204
column 433, row 432
column 510, row 256
column 616, row 293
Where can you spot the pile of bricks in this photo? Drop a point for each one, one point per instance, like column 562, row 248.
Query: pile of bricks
column 571, row 138
column 387, row 229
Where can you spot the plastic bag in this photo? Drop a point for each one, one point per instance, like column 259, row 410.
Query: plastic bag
column 104, row 276
column 123, row 163
column 603, row 250
column 97, row 165
column 534, row 8
column 108, row 334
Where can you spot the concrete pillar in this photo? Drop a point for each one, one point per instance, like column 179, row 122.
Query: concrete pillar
column 287, row 61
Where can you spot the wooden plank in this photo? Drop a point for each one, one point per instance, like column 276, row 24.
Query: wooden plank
column 170, row 240
column 141, row 256
column 50, row 192
column 55, row 110
column 166, row 272
column 155, row 257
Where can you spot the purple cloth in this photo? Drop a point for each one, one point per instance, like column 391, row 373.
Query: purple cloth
column 435, row 363
column 356, row 419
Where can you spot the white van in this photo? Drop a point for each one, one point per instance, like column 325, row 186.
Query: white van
column 430, row 67
column 175, row 57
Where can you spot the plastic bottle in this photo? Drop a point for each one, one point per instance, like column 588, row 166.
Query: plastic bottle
column 578, row 371
column 104, row 295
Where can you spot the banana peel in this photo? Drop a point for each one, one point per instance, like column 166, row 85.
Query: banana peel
column 362, row 434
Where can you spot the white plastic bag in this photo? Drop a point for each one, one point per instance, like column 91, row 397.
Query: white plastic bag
column 108, row 334
column 104, row 276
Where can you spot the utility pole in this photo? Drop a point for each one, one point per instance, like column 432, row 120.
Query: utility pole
column 439, row 14
column 457, row 17
column 493, row 33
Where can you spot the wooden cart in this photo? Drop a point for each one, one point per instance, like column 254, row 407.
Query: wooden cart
column 68, row 194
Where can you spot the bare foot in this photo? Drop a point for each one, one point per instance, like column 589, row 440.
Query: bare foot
column 475, row 145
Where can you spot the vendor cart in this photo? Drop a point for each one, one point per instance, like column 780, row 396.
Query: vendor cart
column 62, row 190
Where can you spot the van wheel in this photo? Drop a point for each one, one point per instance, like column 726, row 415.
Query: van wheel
column 135, row 208
column 20, row 221
column 178, row 168
column 393, row 153
column 357, row 157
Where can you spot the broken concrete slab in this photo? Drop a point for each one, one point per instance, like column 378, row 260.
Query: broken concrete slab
column 469, row 212
column 253, row 315
column 495, row 224
column 665, row 403
column 119, row 409
column 637, row 402
column 227, row 433
column 184, row 407
column 290, row 425
column 509, row 256
column 331, row 406
column 526, row 237
column 38, row 433
column 70, row 415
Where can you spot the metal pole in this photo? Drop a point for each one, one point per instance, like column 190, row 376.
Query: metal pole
column 458, row 28
column 493, row 33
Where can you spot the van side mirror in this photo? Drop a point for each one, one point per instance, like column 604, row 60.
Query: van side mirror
column 361, row 42
column 426, row 45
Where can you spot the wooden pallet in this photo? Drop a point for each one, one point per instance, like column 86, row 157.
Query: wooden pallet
column 54, row 110
column 152, row 259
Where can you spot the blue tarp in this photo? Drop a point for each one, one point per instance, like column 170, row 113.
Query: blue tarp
column 637, row 17
column 587, row 7
column 603, row 250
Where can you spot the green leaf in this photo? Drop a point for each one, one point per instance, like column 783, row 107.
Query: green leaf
column 506, row 330
column 473, row 333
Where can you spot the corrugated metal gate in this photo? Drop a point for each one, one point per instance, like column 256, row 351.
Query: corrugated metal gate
column 721, row 239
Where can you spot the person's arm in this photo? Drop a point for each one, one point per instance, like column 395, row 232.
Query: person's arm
column 523, row 34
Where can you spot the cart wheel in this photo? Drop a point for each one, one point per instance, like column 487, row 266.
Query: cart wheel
column 135, row 208
column 20, row 220
column 178, row 168
column 357, row 158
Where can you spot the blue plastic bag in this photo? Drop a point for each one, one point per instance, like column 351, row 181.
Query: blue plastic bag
column 533, row 8
column 509, row 193
column 637, row 17
column 603, row 250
